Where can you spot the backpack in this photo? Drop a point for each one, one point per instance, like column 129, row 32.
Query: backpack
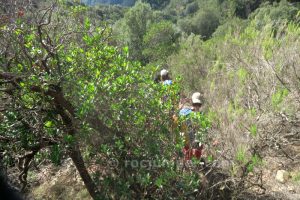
column 186, row 125
column 189, row 125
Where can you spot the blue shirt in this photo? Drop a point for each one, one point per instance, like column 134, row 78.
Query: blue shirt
column 185, row 111
column 167, row 82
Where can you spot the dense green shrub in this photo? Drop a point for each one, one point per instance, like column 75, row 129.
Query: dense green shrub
column 157, row 4
column 191, row 8
column 137, row 19
column 275, row 14
column 204, row 23
column 85, row 94
column 160, row 41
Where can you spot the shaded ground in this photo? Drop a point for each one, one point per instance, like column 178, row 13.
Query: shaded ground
column 54, row 183
column 57, row 183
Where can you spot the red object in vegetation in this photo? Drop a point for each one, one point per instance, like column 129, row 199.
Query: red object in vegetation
column 20, row 13
column 190, row 153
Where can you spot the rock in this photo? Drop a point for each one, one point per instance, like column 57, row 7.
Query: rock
column 282, row 176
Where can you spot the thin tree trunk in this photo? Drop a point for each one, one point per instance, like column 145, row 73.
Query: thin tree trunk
column 77, row 159
column 66, row 111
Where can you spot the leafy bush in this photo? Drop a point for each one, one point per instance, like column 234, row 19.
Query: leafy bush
column 157, row 4
column 137, row 19
column 71, row 91
column 191, row 8
column 204, row 23
column 160, row 41
column 275, row 14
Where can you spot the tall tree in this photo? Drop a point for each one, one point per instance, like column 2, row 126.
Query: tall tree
column 157, row 4
column 160, row 41
column 137, row 20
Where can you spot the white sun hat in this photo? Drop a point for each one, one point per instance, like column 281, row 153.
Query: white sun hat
column 164, row 72
column 196, row 98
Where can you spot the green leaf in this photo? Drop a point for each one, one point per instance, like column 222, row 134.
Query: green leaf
column 210, row 158
column 87, row 23
column 69, row 59
column 22, row 84
column 159, row 182
column 69, row 138
column 253, row 130
column 48, row 124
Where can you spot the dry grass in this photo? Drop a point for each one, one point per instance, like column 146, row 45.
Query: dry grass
column 251, row 85
column 59, row 183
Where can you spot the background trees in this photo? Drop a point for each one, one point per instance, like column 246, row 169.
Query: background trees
column 204, row 24
column 160, row 41
column 121, row 2
column 157, row 3
column 137, row 20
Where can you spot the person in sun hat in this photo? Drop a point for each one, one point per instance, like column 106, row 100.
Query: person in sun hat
column 167, row 83
column 197, row 102
column 165, row 77
column 192, row 146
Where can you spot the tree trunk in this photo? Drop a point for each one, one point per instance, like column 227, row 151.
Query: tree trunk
column 77, row 159
column 67, row 113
